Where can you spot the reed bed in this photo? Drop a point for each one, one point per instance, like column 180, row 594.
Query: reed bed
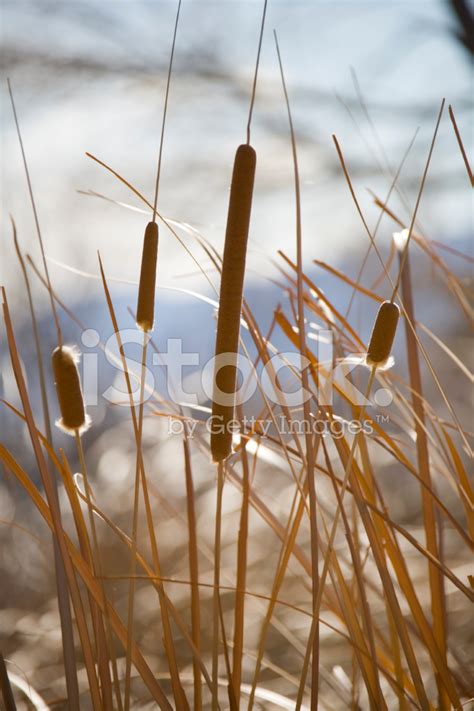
column 334, row 571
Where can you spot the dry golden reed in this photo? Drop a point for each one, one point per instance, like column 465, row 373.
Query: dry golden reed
column 68, row 388
column 383, row 335
column 146, row 289
column 230, row 299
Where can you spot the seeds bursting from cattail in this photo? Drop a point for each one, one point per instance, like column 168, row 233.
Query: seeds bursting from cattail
column 383, row 334
column 230, row 300
column 68, row 389
column 146, row 289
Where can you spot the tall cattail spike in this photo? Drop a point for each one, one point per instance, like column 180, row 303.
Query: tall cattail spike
column 68, row 388
column 383, row 334
column 146, row 290
column 230, row 299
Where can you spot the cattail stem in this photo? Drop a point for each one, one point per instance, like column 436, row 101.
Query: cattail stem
column 216, row 600
column 178, row 692
column 438, row 603
column 330, row 545
column 105, row 646
column 165, row 110
column 241, row 578
column 133, row 549
column 146, row 289
column 254, row 86
column 35, row 215
column 418, row 200
column 193, row 574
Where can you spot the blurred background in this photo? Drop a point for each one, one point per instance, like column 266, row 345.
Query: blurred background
column 91, row 76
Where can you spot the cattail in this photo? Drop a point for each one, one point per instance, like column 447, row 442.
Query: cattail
column 146, row 289
column 68, row 388
column 230, row 300
column 383, row 334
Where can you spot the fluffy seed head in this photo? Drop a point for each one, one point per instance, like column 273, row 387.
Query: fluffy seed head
column 68, row 388
column 146, row 289
column 383, row 334
column 232, row 283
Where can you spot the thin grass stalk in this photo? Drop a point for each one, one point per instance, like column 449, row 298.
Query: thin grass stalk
column 163, row 599
column 174, row 233
column 56, row 523
column 395, row 555
column 74, row 421
column 35, row 213
column 355, row 675
column 393, row 186
column 193, row 574
column 156, row 212
column 81, row 567
column 461, row 146
column 229, row 682
column 86, row 551
column 397, row 562
column 134, row 536
column 374, row 689
column 330, row 544
column 383, row 535
column 348, row 613
column 288, row 545
column 379, row 557
column 388, row 443
column 305, row 382
column 396, row 656
column 154, row 579
column 239, row 605
column 61, row 584
column 97, row 570
column 418, row 200
column 424, row 629
column 438, row 602
column 349, row 330
column 65, row 617
column 453, row 283
column 395, row 285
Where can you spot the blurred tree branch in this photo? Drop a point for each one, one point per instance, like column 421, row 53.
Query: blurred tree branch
column 465, row 17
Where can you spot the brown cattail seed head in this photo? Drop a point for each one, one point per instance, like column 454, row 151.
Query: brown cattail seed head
column 146, row 289
column 383, row 334
column 68, row 389
column 230, row 299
